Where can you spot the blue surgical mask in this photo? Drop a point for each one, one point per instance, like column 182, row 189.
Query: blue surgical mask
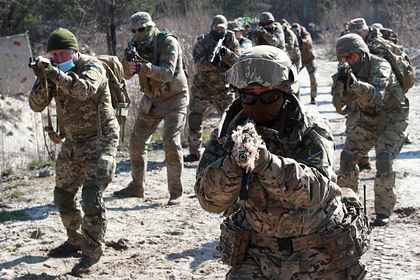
column 65, row 66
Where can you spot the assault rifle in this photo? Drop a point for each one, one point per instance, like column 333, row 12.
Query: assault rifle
column 245, row 151
column 216, row 51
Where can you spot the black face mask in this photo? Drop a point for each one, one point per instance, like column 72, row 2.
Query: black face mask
column 216, row 35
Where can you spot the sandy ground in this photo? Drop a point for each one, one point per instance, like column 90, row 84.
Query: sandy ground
column 146, row 239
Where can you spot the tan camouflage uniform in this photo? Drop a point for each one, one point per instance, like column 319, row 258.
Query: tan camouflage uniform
column 86, row 160
column 165, row 99
column 292, row 197
column 381, row 126
column 209, row 85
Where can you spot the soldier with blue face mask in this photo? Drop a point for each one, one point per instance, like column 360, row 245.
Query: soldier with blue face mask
column 79, row 86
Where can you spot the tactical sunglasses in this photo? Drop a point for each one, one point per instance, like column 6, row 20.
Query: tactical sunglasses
column 138, row 30
column 267, row 97
column 348, row 57
column 266, row 23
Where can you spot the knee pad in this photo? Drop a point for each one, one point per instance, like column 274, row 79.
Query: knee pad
column 64, row 201
column 384, row 163
column 92, row 200
column 195, row 120
column 347, row 161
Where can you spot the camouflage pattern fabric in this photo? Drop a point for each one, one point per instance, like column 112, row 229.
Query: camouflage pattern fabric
column 383, row 127
column 166, row 99
column 173, row 112
column 293, row 196
column 308, row 59
column 209, row 85
column 292, row 46
column 86, row 160
column 275, row 37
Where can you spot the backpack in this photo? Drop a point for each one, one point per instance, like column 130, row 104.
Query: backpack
column 117, row 88
column 399, row 60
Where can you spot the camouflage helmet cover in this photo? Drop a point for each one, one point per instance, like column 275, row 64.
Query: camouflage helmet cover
column 141, row 19
column 266, row 16
column 377, row 25
column 234, row 26
column 350, row 43
column 219, row 21
column 264, row 66
column 356, row 25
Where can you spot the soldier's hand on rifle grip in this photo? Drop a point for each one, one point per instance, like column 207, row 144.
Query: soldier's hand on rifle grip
column 223, row 50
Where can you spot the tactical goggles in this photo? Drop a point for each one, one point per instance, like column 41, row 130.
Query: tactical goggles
column 138, row 30
column 352, row 56
column 267, row 97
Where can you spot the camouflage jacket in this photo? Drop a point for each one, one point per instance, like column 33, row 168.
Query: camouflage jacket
column 307, row 50
column 275, row 37
column 292, row 46
column 295, row 195
column 164, row 76
column 375, row 87
column 208, row 74
column 83, row 96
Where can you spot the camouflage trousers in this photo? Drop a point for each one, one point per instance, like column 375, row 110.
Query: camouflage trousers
column 387, row 134
column 202, row 101
column 311, row 68
column 146, row 124
column 89, row 165
column 311, row 263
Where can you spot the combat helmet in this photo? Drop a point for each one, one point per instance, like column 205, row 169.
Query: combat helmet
column 350, row 43
column 141, row 19
column 264, row 66
column 235, row 26
column 266, row 16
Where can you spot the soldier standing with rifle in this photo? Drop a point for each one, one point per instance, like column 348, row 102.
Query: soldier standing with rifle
column 368, row 80
column 214, row 53
column 86, row 161
column 156, row 57
column 292, row 217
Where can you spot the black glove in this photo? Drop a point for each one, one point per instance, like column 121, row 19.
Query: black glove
column 217, row 61
column 223, row 51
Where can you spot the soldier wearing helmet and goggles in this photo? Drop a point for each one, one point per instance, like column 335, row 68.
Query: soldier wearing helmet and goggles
column 268, row 166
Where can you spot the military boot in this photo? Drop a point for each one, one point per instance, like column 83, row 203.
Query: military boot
column 85, row 266
column 381, row 220
column 65, row 250
column 130, row 191
column 175, row 199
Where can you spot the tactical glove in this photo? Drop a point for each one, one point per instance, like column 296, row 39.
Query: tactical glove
column 44, row 68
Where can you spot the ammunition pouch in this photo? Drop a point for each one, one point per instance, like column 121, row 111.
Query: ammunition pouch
column 347, row 241
column 234, row 239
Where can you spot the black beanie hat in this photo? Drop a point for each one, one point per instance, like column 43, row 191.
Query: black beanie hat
column 62, row 39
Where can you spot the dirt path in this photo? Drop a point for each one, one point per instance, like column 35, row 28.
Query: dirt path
column 146, row 239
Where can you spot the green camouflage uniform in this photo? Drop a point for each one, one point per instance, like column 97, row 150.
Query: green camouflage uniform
column 209, row 85
column 293, row 197
column 86, row 159
column 165, row 98
column 380, row 126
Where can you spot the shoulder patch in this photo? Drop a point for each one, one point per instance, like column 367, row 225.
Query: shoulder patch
column 92, row 73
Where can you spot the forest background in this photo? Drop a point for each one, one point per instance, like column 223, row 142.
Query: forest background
column 102, row 27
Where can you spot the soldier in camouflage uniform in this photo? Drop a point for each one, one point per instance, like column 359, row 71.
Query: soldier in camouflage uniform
column 281, row 36
column 292, row 196
column 308, row 56
column 382, row 120
column 158, row 63
column 79, row 86
column 209, row 84
column 236, row 28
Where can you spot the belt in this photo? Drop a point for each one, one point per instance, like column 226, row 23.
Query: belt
column 286, row 244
